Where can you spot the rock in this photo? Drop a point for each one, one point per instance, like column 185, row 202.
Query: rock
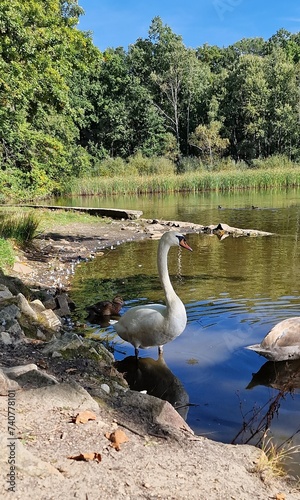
column 14, row 285
column 49, row 302
column 15, row 331
column 63, row 303
column 6, row 384
column 104, row 353
column 161, row 415
column 50, row 320
column 168, row 416
column 30, row 375
column 25, row 308
column 26, row 463
column 40, row 335
column 36, row 378
column 37, row 305
column 67, row 341
column 105, row 388
column 7, row 313
column 16, row 371
column 22, row 268
column 61, row 395
column 4, row 292
column 5, row 338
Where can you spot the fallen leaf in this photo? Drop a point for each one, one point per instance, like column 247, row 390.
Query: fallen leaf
column 117, row 437
column 83, row 417
column 85, row 457
column 42, row 364
column 280, row 496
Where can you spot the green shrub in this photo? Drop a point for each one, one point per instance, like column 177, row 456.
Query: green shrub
column 142, row 165
column 110, row 167
column 274, row 162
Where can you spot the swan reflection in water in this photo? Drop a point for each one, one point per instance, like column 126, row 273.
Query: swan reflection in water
column 284, row 376
column 281, row 375
column 154, row 376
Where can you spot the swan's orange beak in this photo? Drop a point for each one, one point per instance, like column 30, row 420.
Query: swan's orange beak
column 183, row 244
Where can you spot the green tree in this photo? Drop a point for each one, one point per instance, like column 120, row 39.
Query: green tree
column 39, row 136
column 207, row 139
column 245, row 108
column 283, row 78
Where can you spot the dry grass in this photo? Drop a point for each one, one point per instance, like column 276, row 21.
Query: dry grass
column 275, row 460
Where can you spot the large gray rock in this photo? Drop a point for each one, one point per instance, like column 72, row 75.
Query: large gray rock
column 5, row 293
column 70, row 395
column 25, row 308
column 7, row 313
column 49, row 319
column 25, row 462
column 15, row 331
column 6, row 384
column 30, row 375
column 67, row 341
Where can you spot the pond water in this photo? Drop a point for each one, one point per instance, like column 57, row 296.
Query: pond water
column 234, row 291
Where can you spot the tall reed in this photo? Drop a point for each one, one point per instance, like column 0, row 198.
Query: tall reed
column 190, row 181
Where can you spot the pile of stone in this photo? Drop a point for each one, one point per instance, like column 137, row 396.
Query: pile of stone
column 20, row 317
column 21, row 320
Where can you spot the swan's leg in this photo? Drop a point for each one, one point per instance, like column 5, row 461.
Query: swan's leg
column 136, row 352
column 160, row 350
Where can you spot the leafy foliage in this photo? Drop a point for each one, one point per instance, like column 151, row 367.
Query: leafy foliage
column 66, row 108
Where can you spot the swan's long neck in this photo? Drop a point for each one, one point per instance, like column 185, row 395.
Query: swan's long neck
column 162, row 266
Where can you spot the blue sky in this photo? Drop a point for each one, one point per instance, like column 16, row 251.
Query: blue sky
column 216, row 22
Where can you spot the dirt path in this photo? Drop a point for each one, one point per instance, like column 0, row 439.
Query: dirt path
column 159, row 458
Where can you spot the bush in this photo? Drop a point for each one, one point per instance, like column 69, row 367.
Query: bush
column 275, row 161
column 142, row 165
column 110, row 167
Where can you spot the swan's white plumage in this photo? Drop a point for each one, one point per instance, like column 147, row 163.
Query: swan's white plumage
column 156, row 324
column 282, row 342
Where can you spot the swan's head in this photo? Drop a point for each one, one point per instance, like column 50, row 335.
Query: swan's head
column 171, row 238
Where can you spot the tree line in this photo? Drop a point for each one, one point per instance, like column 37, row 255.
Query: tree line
column 65, row 105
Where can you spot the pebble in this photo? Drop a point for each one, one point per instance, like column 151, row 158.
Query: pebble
column 105, row 388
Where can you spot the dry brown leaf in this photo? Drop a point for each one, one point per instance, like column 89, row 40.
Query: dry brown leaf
column 84, row 416
column 280, row 496
column 42, row 364
column 117, row 437
column 87, row 456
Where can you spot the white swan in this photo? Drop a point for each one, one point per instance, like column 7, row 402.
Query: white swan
column 282, row 342
column 156, row 324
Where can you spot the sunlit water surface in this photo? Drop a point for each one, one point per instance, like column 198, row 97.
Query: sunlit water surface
column 234, row 290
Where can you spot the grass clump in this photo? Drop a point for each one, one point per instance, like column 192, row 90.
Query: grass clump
column 20, row 227
column 274, row 459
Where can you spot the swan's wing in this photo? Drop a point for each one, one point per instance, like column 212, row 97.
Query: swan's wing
column 140, row 319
